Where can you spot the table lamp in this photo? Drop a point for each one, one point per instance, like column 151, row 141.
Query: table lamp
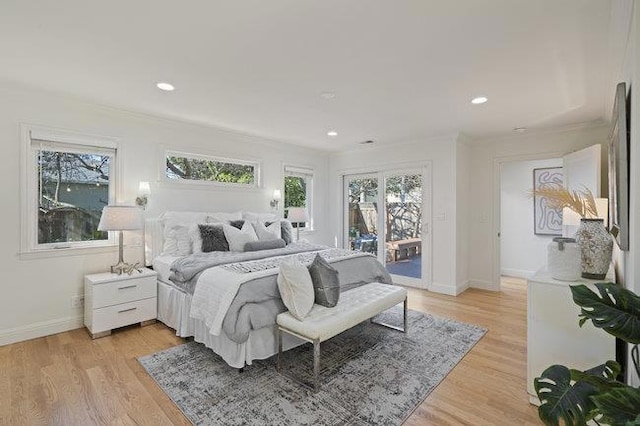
column 298, row 215
column 121, row 218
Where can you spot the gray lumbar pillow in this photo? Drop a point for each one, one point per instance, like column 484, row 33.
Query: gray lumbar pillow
column 264, row 245
column 326, row 285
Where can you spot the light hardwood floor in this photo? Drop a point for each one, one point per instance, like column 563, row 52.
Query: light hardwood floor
column 69, row 379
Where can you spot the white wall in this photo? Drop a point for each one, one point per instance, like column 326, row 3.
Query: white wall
column 463, row 208
column 522, row 252
column 36, row 292
column 441, row 155
column 484, row 188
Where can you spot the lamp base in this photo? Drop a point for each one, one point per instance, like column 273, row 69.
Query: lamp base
column 121, row 267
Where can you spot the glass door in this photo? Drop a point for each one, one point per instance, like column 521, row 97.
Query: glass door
column 384, row 215
column 403, row 225
column 362, row 213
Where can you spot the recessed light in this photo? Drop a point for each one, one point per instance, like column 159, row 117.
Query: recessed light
column 366, row 142
column 520, row 129
column 479, row 100
column 167, row 87
column 332, row 133
column 327, row 95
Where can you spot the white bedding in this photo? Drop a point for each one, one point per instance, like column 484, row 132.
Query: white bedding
column 162, row 265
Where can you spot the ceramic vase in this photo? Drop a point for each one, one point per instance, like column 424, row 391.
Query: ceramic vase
column 564, row 260
column 596, row 247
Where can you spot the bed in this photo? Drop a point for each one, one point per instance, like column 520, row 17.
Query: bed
column 228, row 300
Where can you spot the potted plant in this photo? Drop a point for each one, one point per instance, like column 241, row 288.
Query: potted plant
column 577, row 396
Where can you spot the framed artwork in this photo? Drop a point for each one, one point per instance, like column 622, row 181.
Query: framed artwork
column 619, row 170
column 546, row 220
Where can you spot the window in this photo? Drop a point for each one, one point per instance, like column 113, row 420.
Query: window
column 191, row 167
column 298, row 190
column 69, row 180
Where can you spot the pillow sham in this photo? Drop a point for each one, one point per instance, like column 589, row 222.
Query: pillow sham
column 212, row 238
column 286, row 231
column 219, row 217
column 296, row 288
column 326, row 285
column 266, row 233
column 177, row 241
column 237, row 238
column 259, row 217
column 264, row 245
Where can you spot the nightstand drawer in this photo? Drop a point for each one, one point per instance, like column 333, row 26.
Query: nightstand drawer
column 124, row 314
column 129, row 290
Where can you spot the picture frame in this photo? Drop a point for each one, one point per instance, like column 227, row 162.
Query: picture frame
column 546, row 220
column 619, row 169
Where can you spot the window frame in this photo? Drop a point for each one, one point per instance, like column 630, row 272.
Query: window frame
column 257, row 170
column 308, row 174
column 63, row 141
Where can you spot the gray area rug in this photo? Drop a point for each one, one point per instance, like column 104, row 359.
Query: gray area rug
column 370, row 375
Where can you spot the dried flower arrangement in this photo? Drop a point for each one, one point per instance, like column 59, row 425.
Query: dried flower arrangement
column 558, row 197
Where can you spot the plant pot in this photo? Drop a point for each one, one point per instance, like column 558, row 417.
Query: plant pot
column 564, row 260
column 596, row 247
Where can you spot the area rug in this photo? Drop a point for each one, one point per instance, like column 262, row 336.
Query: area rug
column 370, row 375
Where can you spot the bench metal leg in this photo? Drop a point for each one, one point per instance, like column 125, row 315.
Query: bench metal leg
column 279, row 349
column 394, row 327
column 316, row 365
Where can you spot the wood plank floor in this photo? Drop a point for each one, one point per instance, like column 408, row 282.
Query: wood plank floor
column 69, row 379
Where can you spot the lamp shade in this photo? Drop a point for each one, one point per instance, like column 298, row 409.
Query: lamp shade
column 120, row 218
column 277, row 195
column 144, row 189
column 298, row 214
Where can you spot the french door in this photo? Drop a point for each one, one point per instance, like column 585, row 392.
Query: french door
column 385, row 216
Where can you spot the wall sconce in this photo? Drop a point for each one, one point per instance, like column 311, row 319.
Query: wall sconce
column 144, row 190
column 277, row 196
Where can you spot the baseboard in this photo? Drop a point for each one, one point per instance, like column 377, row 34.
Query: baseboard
column 443, row 288
column 40, row 329
column 517, row 273
column 461, row 287
column 482, row 285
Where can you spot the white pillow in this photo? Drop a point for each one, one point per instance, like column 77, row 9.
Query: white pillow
column 237, row 238
column 296, row 288
column 223, row 217
column 259, row 217
column 177, row 241
column 267, row 233
column 196, row 238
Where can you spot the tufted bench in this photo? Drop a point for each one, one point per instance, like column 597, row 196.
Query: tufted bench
column 354, row 307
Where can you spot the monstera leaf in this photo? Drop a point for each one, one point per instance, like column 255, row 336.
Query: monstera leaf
column 559, row 399
column 620, row 406
column 616, row 310
column 602, row 377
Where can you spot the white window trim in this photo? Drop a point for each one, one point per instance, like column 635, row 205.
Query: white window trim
column 307, row 173
column 29, row 246
column 204, row 184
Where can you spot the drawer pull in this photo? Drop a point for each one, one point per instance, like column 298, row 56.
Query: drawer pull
column 128, row 286
column 127, row 310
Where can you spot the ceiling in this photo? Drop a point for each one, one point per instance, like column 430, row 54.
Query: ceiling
column 400, row 69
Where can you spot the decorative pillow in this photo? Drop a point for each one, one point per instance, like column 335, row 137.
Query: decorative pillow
column 326, row 284
column 223, row 217
column 171, row 219
column 265, row 233
column 212, row 238
column 264, row 245
column 296, row 288
column 286, row 231
column 177, row 241
column 237, row 238
column 259, row 217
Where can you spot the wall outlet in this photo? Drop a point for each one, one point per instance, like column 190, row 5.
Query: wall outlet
column 77, row 301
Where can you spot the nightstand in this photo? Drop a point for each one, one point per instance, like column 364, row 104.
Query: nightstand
column 112, row 301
